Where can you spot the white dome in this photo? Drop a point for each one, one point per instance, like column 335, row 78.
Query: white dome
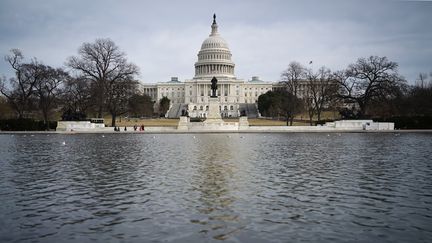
column 214, row 42
column 214, row 58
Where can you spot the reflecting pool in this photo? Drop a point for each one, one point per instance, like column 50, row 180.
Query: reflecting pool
column 292, row 187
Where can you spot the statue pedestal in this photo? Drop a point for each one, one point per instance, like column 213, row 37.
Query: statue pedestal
column 214, row 115
column 243, row 123
column 183, row 123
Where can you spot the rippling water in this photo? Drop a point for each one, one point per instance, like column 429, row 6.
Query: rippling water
column 216, row 187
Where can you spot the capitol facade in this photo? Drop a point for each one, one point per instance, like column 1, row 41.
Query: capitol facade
column 236, row 96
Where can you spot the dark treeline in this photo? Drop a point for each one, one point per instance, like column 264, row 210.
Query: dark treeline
column 369, row 88
column 97, row 81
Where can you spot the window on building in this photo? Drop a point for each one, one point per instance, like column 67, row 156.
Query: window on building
column 194, row 108
column 201, row 108
column 231, row 107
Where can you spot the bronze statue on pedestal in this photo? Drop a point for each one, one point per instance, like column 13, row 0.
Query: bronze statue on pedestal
column 213, row 87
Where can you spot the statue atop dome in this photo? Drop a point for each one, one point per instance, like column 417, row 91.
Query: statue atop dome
column 214, row 26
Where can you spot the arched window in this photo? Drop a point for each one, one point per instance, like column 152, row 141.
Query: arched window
column 231, row 107
column 195, row 108
column 201, row 108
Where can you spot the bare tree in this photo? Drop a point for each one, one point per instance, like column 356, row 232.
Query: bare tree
column 422, row 80
column 119, row 95
column 309, row 103
column 48, row 89
column 368, row 79
column 292, row 77
column 76, row 98
column 321, row 90
column 22, row 85
column 5, row 108
column 104, row 65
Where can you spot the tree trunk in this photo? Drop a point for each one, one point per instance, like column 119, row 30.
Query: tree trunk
column 310, row 117
column 45, row 117
column 291, row 120
column 362, row 111
column 100, row 111
column 113, row 119
column 319, row 116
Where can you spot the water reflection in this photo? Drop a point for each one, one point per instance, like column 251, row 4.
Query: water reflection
column 214, row 177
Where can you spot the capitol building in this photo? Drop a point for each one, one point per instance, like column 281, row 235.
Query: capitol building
column 236, row 96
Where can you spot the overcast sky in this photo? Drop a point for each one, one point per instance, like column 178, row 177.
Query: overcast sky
column 163, row 37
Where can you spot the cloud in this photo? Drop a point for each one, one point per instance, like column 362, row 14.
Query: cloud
column 164, row 38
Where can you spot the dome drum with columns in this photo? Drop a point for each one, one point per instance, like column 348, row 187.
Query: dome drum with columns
column 236, row 97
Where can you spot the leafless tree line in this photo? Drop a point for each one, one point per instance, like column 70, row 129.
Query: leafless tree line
column 100, row 79
column 356, row 88
column 35, row 85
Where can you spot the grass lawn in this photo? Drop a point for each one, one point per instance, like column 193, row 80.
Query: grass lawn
column 325, row 115
column 301, row 120
column 158, row 122
column 268, row 122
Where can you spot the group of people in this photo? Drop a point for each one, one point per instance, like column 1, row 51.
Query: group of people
column 141, row 128
column 117, row 129
column 135, row 127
